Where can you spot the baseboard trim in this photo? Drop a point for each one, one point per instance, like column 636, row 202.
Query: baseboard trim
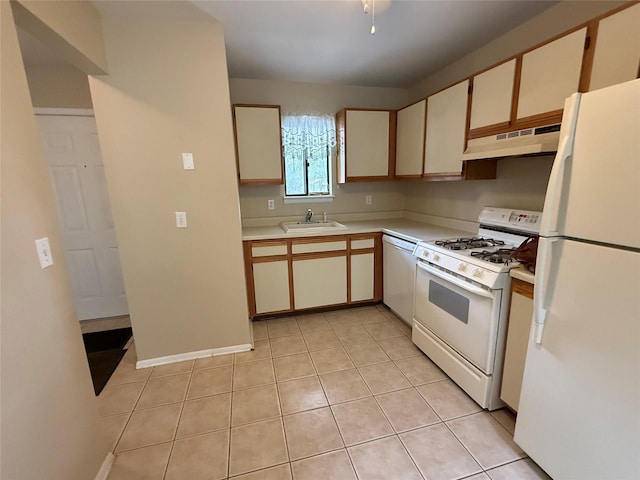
column 181, row 357
column 105, row 468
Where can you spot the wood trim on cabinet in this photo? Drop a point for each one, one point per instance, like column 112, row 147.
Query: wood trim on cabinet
column 467, row 125
column 292, row 301
column 268, row 243
column 377, row 268
column 415, row 176
column 341, row 146
column 270, row 258
column 393, row 126
column 377, row 178
column 319, row 239
column 348, row 252
column 248, row 277
column 515, row 94
column 587, row 56
column 522, row 287
column 533, row 121
column 442, row 177
column 488, row 130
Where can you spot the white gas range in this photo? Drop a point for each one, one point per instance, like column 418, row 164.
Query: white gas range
column 461, row 300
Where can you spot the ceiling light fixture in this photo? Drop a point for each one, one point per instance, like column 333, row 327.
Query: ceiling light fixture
column 365, row 4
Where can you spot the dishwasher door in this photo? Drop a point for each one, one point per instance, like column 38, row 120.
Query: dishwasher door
column 399, row 274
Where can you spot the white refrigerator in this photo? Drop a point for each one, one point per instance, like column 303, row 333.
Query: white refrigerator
column 579, row 413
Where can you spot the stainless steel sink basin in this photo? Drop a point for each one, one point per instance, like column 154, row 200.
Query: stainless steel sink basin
column 311, row 227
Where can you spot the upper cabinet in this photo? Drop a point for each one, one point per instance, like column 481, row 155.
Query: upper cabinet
column 492, row 96
column 410, row 131
column 366, row 145
column 616, row 56
column 549, row 75
column 446, row 131
column 258, row 144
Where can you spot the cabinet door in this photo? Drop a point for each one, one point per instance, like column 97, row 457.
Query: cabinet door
column 410, row 140
column 493, row 95
column 258, row 144
column 362, row 277
column 617, row 49
column 271, row 286
column 550, row 74
column 446, row 129
column 320, row 281
column 515, row 354
column 367, row 143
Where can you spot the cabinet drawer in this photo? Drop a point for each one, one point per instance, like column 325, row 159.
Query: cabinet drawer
column 362, row 243
column 331, row 246
column 269, row 250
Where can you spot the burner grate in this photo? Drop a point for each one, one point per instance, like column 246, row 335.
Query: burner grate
column 469, row 243
column 502, row 255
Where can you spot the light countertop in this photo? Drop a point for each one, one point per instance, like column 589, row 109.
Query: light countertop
column 406, row 229
column 523, row 274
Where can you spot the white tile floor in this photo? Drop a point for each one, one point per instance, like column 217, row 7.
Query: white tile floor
column 340, row 395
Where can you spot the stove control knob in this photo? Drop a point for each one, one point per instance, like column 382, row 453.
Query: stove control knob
column 436, row 257
column 462, row 267
column 477, row 272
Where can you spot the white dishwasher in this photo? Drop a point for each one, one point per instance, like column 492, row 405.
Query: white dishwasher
column 399, row 274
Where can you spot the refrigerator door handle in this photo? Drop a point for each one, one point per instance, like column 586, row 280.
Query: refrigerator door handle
column 551, row 210
column 543, row 272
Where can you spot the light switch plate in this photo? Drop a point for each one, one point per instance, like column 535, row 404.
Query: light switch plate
column 271, row 204
column 44, row 252
column 187, row 161
column 367, row 199
column 181, row 219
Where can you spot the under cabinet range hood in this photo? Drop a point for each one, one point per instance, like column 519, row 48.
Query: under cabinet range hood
column 528, row 141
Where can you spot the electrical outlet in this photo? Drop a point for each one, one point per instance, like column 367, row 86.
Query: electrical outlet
column 187, row 161
column 367, row 199
column 44, row 252
column 181, row 219
column 271, row 204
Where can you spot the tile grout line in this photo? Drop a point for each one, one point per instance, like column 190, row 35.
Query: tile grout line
column 233, row 376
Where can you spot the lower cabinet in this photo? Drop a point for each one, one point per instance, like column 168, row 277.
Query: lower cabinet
column 319, row 282
column 520, row 314
column 312, row 272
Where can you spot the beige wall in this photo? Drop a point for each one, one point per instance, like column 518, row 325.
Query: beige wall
column 167, row 93
column 50, row 425
column 82, row 42
column 311, row 98
column 58, row 87
column 521, row 183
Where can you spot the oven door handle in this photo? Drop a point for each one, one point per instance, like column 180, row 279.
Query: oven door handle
column 460, row 283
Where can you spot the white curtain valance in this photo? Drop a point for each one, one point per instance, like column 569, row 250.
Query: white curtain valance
column 308, row 132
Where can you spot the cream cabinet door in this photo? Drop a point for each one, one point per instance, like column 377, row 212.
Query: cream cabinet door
column 258, row 144
column 493, row 95
column 362, row 277
column 446, row 128
column 320, row 281
column 410, row 139
column 550, row 74
column 271, row 286
column 367, row 143
column 516, row 349
column 617, row 49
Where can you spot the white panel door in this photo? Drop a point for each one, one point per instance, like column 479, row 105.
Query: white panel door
column 76, row 171
column 362, row 276
column 320, row 281
column 492, row 95
column 271, row 285
column 367, row 143
column 617, row 50
column 446, row 128
column 259, row 142
column 410, row 139
column 550, row 74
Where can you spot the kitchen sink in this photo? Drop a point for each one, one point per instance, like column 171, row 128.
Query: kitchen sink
column 311, row 227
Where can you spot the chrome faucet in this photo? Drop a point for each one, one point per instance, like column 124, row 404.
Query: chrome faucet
column 307, row 217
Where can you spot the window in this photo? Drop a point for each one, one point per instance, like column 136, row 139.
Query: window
column 307, row 143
